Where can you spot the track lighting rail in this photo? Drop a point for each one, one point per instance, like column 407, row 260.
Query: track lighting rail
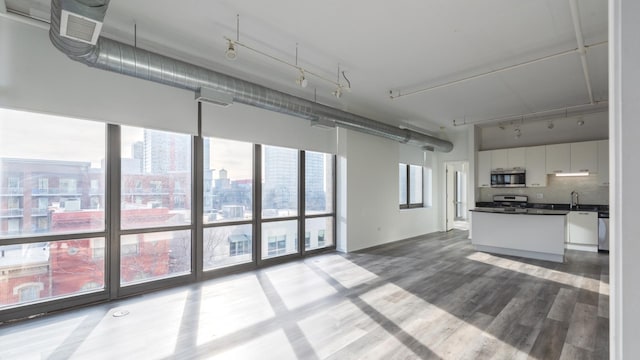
column 340, row 88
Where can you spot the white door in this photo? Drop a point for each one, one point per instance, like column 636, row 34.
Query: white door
column 456, row 194
column 451, row 198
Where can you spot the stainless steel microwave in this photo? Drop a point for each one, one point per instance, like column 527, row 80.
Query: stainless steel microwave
column 508, row 178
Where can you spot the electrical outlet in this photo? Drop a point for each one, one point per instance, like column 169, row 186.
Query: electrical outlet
column 539, row 196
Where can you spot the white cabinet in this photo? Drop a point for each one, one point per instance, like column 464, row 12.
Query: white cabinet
column 582, row 230
column 499, row 159
column 603, row 162
column 535, row 161
column 504, row 159
column 584, row 156
column 558, row 158
column 484, row 169
column 516, row 158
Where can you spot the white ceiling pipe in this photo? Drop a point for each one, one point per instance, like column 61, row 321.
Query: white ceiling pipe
column 506, row 68
column 581, row 48
column 575, row 110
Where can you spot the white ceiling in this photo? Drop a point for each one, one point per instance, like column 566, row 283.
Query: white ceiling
column 382, row 45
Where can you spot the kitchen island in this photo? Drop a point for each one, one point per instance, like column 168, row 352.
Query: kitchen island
column 527, row 232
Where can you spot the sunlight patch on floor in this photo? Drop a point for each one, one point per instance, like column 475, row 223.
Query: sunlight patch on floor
column 344, row 271
column 577, row 281
column 230, row 306
column 298, row 285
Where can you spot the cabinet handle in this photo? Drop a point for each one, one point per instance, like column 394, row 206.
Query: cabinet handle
column 535, row 184
column 557, row 171
column 584, row 170
column 581, row 213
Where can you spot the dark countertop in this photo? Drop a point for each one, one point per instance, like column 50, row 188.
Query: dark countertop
column 585, row 207
column 521, row 211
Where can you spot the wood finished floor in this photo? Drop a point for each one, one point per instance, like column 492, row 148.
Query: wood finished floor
column 431, row 297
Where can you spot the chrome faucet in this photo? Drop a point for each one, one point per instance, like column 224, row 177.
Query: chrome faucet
column 574, row 199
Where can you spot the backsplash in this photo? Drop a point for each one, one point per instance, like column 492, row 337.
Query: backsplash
column 557, row 191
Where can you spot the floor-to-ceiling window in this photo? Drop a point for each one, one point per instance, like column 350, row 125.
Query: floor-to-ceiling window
column 280, row 182
column 319, row 200
column 228, row 203
column 92, row 211
column 155, row 205
column 52, row 222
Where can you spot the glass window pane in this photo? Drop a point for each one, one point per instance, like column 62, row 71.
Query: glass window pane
column 46, row 177
column 402, row 180
column 321, row 232
column 427, row 195
column 153, row 256
column 279, row 238
column 279, row 182
column 228, row 180
column 156, row 178
column 227, row 245
column 415, row 183
column 48, row 270
column 318, row 183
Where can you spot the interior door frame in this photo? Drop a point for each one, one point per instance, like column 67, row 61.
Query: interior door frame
column 449, row 208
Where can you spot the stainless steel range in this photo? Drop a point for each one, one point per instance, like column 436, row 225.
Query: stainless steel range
column 510, row 202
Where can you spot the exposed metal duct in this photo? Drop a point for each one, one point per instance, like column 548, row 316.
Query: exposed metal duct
column 128, row 60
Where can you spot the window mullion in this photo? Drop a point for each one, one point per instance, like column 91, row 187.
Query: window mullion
column 112, row 216
column 197, row 201
column 301, row 201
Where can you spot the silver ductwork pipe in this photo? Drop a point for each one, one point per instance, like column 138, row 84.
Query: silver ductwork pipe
column 125, row 59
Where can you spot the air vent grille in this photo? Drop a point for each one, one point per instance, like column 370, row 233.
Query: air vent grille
column 79, row 28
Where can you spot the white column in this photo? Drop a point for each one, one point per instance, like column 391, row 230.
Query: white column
column 624, row 132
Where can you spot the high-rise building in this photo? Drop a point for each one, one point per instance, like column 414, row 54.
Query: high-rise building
column 280, row 176
column 165, row 153
column 315, row 178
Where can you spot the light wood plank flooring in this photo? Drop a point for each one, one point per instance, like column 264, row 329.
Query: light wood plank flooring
column 430, row 297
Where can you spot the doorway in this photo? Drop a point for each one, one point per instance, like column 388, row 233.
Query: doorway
column 457, row 173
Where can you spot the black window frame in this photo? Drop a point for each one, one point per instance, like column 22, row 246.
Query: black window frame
column 408, row 204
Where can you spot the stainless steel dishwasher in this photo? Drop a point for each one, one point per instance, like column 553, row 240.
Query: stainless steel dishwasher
column 603, row 230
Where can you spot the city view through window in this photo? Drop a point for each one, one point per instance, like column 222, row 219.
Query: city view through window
column 53, row 187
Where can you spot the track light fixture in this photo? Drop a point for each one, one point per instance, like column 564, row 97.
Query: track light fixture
column 550, row 125
column 302, row 80
column 231, row 53
column 337, row 92
column 517, row 132
column 580, row 122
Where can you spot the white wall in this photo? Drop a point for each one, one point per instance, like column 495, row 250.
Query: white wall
column 464, row 149
column 624, row 147
column 371, row 216
column 35, row 76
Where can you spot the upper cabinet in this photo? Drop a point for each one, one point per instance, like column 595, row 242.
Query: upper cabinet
column 484, row 169
column 499, row 159
column 573, row 157
column 584, row 157
column 516, row 158
column 538, row 161
column 535, row 160
column 603, row 162
column 558, row 158
column 506, row 159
